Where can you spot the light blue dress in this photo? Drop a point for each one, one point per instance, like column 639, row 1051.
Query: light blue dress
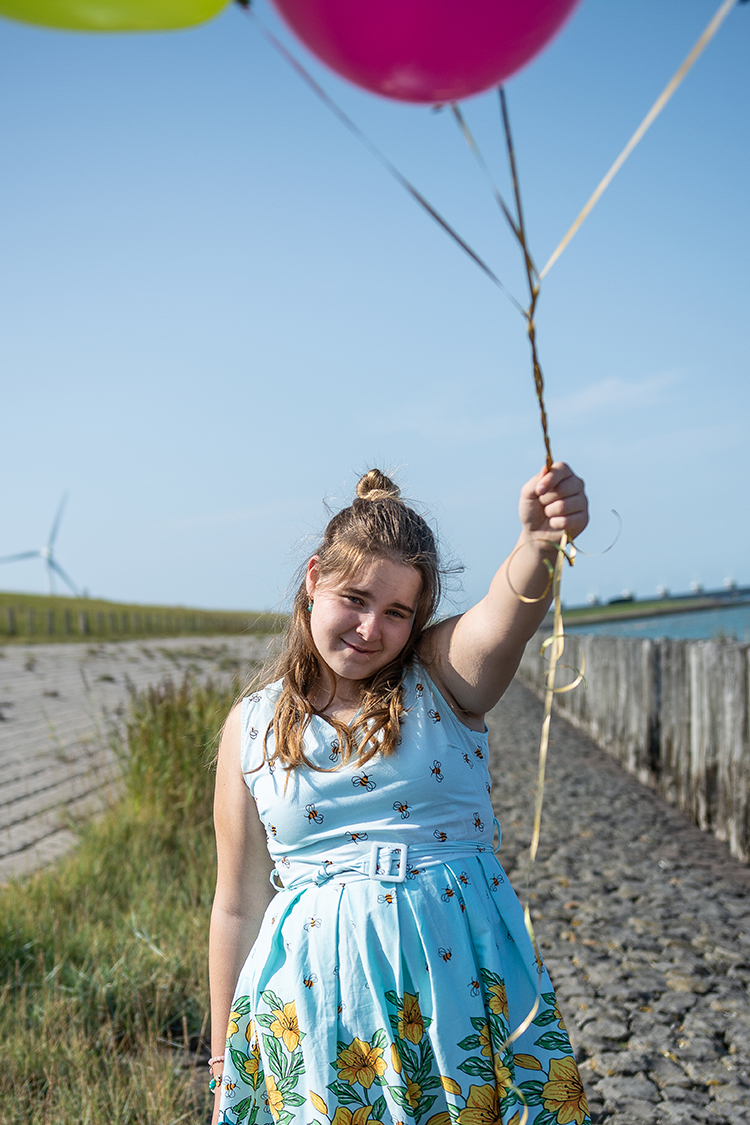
column 392, row 970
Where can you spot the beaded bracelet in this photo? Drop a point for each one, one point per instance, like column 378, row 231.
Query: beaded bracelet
column 215, row 1083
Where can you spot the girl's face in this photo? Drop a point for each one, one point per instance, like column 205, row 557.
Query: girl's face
column 362, row 623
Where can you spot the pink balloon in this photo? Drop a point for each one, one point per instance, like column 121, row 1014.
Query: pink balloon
column 425, row 50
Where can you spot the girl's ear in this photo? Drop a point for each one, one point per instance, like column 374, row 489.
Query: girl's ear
column 311, row 577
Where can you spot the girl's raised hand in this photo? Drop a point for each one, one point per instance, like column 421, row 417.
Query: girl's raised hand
column 552, row 502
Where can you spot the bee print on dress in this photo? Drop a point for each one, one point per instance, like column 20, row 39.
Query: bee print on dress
column 446, row 954
column 436, row 770
column 478, row 822
column 387, row 899
column 412, row 872
column 496, row 881
column 254, row 698
column 403, row 808
column 448, row 894
column 313, row 815
column 434, row 715
column 474, row 987
column 440, row 835
column 364, row 781
column 312, row 924
column 270, row 830
column 357, row 837
column 478, row 753
column 310, row 980
column 253, row 733
column 463, row 879
column 488, row 787
column 419, row 689
column 468, row 761
column 335, row 751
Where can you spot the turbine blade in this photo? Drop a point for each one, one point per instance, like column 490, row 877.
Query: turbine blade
column 56, row 566
column 56, row 524
column 25, row 555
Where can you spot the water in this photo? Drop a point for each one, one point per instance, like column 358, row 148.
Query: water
column 729, row 622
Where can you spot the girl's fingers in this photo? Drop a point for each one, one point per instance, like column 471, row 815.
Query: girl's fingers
column 565, row 507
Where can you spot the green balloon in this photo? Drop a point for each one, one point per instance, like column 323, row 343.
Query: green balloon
column 112, row 15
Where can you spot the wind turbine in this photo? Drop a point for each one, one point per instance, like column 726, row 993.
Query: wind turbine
column 47, row 553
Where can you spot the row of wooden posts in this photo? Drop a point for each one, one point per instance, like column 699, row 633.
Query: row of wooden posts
column 674, row 713
column 33, row 622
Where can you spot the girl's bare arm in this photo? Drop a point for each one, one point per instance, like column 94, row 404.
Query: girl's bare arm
column 473, row 657
column 242, row 887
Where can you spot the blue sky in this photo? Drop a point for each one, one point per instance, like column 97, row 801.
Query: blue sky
column 218, row 309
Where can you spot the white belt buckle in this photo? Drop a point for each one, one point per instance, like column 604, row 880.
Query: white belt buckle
column 376, row 872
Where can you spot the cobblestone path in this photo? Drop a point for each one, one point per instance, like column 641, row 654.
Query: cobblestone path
column 644, row 924
column 58, row 704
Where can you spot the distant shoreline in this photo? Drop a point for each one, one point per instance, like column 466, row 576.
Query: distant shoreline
column 626, row 611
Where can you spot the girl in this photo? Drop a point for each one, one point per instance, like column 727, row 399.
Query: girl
column 392, row 968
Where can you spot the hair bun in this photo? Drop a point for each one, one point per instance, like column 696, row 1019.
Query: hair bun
column 375, row 485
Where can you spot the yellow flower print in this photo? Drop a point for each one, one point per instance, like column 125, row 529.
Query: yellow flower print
column 450, row 1087
column 361, row 1116
column 563, row 1094
column 413, row 1092
column 482, row 1107
column 251, row 1065
column 484, row 1041
column 410, row 1022
column 361, row 1063
column 440, row 1118
column 250, row 1031
column 503, row 1077
column 319, row 1104
column 285, row 1026
column 498, row 999
column 275, row 1097
column 559, row 1017
column 528, row 1062
column 396, row 1058
column 233, row 1025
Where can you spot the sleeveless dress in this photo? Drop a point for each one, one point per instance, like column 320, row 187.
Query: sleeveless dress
column 393, row 968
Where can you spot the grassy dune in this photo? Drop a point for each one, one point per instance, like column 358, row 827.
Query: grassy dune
column 103, row 989
column 49, row 617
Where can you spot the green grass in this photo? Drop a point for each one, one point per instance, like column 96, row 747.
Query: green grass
column 103, row 959
column 652, row 607
column 48, row 617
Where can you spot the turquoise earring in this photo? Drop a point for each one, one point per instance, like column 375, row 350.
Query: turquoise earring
column 309, row 606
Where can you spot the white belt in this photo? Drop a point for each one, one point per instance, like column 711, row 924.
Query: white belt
column 385, row 863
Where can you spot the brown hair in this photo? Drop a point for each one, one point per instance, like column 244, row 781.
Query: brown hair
column 378, row 524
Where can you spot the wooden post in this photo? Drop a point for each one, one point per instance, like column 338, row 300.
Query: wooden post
column 30, row 622
column 50, row 622
column 12, row 626
column 100, row 624
column 113, row 624
column 83, row 623
column 68, row 617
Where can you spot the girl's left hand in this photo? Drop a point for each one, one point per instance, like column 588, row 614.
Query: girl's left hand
column 553, row 502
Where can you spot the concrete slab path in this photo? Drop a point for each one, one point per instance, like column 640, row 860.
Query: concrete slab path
column 59, row 704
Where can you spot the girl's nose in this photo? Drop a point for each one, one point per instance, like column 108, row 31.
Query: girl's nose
column 369, row 627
